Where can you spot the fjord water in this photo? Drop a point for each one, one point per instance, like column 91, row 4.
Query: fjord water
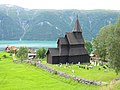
column 30, row 44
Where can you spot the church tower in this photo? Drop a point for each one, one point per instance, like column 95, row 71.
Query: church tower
column 77, row 27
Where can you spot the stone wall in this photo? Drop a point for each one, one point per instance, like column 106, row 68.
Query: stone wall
column 65, row 75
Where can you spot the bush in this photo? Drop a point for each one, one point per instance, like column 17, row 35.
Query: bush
column 4, row 56
column 54, row 72
column 41, row 53
column 22, row 53
column 10, row 54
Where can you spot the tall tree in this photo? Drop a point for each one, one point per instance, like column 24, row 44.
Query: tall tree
column 89, row 46
column 114, row 48
column 41, row 53
column 22, row 53
column 101, row 42
column 107, row 44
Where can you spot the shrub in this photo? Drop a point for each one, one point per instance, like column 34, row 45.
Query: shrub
column 10, row 54
column 22, row 53
column 54, row 72
column 41, row 53
column 4, row 56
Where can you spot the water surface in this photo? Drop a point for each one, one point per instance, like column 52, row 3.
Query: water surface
column 30, row 44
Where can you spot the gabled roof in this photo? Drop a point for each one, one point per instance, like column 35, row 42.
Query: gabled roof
column 73, row 40
column 77, row 27
column 62, row 40
column 77, row 51
column 53, row 51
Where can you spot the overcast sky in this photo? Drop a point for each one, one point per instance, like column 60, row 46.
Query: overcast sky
column 65, row 4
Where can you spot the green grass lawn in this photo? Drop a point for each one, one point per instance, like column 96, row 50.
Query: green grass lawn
column 91, row 74
column 114, row 86
column 26, row 77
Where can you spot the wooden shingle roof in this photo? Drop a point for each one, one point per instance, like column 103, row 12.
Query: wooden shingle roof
column 63, row 41
column 73, row 40
column 77, row 27
column 53, row 51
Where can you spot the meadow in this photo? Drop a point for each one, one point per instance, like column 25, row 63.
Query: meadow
column 92, row 74
column 28, row 77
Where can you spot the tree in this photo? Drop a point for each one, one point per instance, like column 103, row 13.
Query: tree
column 101, row 42
column 41, row 53
column 107, row 45
column 114, row 48
column 89, row 46
column 22, row 53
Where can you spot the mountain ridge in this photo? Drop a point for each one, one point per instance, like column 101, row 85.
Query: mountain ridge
column 35, row 24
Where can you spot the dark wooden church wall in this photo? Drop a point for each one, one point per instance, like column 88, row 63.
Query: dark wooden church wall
column 63, row 50
column 55, row 59
column 77, row 46
column 74, row 59
column 49, row 58
column 63, row 59
column 80, row 58
column 86, row 58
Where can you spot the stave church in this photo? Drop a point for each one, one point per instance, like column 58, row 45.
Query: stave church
column 70, row 48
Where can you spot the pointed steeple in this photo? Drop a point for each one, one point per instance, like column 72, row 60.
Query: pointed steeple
column 77, row 27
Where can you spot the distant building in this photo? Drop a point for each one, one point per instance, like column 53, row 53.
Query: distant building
column 10, row 49
column 70, row 48
column 31, row 53
column 31, row 56
column 31, row 50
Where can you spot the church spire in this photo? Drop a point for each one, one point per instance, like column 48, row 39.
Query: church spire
column 77, row 27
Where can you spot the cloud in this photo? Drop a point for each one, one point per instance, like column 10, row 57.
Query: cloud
column 65, row 4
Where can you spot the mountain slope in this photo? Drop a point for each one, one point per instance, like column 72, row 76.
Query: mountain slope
column 25, row 24
column 9, row 29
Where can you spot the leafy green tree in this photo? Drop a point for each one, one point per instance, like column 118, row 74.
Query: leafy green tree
column 89, row 46
column 41, row 53
column 114, row 48
column 101, row 42
column 4, row 56
column 107, row 45
column 22, row 53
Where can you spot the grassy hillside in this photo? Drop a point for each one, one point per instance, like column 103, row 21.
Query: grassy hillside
column 26, row 77
column 91, row 74
column 114, row 86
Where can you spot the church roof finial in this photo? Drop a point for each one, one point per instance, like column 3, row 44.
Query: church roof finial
column 77, row 17
column 77, row 27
